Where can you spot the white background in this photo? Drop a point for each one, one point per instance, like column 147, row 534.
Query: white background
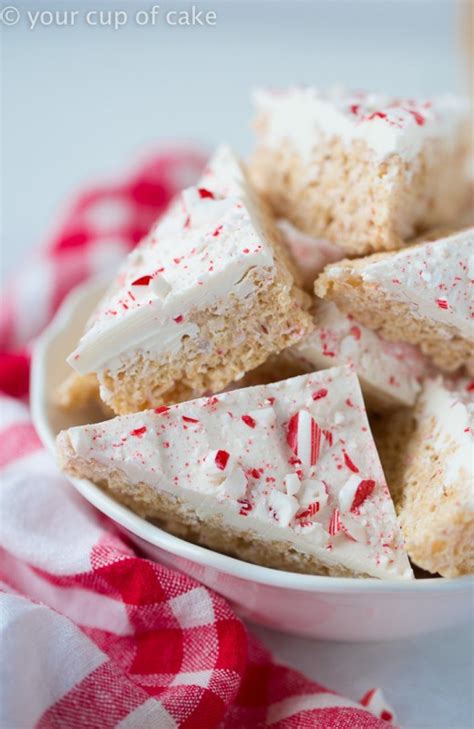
column 80, row 103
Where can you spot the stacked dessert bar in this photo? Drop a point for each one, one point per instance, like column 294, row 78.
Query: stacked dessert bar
column 243, row 341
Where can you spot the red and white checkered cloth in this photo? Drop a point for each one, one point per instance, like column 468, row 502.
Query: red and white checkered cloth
column 91, row 634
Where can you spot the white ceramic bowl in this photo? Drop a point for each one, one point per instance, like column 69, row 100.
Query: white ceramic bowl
column 320, row 607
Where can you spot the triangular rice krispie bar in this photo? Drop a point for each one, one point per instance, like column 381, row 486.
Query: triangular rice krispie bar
column 285, row 475
column 207, row 296
column 428, row 456
column 422, row 294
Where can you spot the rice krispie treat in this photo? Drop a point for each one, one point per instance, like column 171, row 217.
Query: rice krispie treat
column 428, row 459
column 390, row 373
column 284, row 475
column 365, row 171
column 310, row 254
column 421, row 294
column 207, row 296
column 80, row 393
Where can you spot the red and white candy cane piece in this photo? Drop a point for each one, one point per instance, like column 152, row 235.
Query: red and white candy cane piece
column 335, row 525
column 364, row 490
column 354, row 492
column 375, row 702
column 304, row 438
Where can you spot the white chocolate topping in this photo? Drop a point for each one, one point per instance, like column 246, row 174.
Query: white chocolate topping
column 392, row 370
column 206, row 250
column 450, row 405
column 305, row 116
column 435, row 279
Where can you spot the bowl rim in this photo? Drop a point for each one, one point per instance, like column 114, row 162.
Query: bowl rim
column 157, row 537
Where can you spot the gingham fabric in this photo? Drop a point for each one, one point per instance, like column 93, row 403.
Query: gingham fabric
column 92, row 635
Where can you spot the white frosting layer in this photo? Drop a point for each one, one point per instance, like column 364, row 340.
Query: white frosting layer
column 451, row 405
column 292, row 461
column 310, row 254
column 305, row 116
column 435, row 279
column 392, row 369
column 223, row 174
column 199, row 255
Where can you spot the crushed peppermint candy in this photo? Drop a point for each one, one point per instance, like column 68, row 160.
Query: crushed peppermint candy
column 138, row 432
column 335, row 525
column 142, row 281
column 304, row 438
column 203, row 193
column 221, row 459
column 364, row 490
column 354, row 492
column 349, row 462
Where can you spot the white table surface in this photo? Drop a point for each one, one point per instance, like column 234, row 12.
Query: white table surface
column 428, row 681
column 79, row 103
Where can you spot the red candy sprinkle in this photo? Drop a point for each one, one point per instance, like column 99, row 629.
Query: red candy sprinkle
column 178, row 319
column 319, row 394
column 355, row 108
column 189, row 420
column 143, row 281
column 355, row 331
column 420, row 120
column 377, row 115
column 442, row 303
column 245, row 506
column 350, row 463
column 162, row 409
column 364, row 490
column 217, row 231
column 138, row 432
column 470, row 387
column 203, row 193
column 221, row 459
column 366, row 699
column 248, row 420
